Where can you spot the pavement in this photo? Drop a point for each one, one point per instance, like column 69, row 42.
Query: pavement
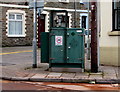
column 25, row 72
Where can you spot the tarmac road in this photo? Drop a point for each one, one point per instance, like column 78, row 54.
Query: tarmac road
column 16, row 55
column 24, row 85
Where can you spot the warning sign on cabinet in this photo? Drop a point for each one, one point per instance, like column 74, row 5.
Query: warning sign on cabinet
column 58, row 40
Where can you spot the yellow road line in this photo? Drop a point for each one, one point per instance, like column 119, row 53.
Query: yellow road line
column 15, row 52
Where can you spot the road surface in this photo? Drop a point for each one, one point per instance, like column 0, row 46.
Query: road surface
column 25, row 85
column 16, row 55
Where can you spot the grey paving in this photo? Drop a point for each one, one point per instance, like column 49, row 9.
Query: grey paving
column 109, row 77
column 39, row 76
column 23, row 74
column 54, row 75
column 82, row 75
column 95, row 77
column 68, row 75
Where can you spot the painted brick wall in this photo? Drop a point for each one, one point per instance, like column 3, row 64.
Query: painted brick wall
column 70, row 5
column 17, row 2
column 17, row 41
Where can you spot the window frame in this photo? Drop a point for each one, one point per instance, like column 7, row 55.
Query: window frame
column 16, row 12
column 113, row 18
column 86, row 15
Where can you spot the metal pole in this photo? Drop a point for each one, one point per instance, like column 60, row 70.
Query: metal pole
column 75, row 14
column 34, row 36
column 94, row 49
column 88, row 40
column 98, row 31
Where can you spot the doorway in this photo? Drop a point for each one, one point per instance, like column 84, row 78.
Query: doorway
column 41, row 28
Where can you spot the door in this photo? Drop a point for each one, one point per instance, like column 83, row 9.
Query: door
column 75, row 46
column 57, row 47
column 41, row 28
column 44, row 47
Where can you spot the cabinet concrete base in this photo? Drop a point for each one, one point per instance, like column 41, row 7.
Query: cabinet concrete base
column 59, row 69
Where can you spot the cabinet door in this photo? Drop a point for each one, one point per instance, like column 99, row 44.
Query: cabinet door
column 44, row 47
column 75, row 46
column 57, row 48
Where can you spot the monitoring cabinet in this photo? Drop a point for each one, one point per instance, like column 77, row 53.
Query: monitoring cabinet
column 63, row 47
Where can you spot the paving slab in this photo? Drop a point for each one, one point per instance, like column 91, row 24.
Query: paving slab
column 109, row 77
column 39, row 76
column 30, row 75
column 109, row 72
column 81, row 75
column 68, row 75
column 95, row 77
column 54, row 75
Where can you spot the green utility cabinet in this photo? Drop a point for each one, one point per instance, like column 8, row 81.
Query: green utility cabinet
column 62, row 47
column 66, row 47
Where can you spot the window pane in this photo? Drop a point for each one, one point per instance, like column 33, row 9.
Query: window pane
column 11, row 16
column 116, row 15
column 15, row 28
column 115, row 19
column 18, row 28
column 19, row 17
column 117, row 4
column 84, row 21
column 11, row 27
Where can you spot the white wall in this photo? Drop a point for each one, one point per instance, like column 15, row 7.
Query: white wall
column 106, row 26
column 108, row 44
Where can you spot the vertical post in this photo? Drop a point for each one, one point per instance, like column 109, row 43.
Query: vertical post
column 88, row 40
column 94, row 49
column 75, row 14
column 34, row 36
column 98, row 31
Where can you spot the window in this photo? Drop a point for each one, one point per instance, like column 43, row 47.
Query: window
column 84, row 20
column 60, row 21
column 116, row 15
column 16, row 23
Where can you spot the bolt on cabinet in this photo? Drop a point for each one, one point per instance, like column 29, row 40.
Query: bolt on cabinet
column 66, row 48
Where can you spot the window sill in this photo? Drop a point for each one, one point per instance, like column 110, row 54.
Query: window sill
column 16, row 35
column 61, row 1
column 114, row 33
